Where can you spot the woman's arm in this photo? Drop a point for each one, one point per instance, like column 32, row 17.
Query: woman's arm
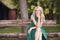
column 33, row 19
column 40, row 22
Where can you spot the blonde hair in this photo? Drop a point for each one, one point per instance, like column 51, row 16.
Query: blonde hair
column 41, row 9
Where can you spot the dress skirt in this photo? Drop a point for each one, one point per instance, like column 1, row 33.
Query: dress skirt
column 31, row 35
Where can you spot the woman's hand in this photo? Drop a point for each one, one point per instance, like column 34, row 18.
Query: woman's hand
column 37, row 26
column 38, row 15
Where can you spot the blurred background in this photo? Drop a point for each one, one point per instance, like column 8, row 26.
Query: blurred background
column 15, row 10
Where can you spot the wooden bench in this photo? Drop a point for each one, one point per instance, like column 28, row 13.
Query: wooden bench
column 23, row 35
column 24, row 23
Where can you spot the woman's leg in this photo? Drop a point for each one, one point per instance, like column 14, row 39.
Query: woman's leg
column 38, row 34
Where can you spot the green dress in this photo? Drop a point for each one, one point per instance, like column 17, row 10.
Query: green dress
column 31, row 36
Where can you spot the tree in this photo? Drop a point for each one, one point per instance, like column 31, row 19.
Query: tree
column 24, row 11
column 51, row 6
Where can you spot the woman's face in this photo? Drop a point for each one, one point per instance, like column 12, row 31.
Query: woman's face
column 37, row 12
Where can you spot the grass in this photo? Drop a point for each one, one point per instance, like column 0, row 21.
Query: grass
column 10, row 29
column 52, row 29
column 56, row 38
column 13, row 29
column 8, row 38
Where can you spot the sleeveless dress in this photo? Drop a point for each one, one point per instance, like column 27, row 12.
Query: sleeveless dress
column 31, row 35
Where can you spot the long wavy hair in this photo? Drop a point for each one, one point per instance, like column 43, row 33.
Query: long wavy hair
column 41, row 10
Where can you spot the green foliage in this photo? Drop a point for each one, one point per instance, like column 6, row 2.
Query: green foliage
column 16, row 3
column 46, row 4
column 9, row 3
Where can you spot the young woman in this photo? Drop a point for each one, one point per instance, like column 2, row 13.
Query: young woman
column 36, row 30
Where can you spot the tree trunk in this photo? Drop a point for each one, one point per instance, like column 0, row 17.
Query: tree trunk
column 24, row 12
column 51, row 16
column 23, row 9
